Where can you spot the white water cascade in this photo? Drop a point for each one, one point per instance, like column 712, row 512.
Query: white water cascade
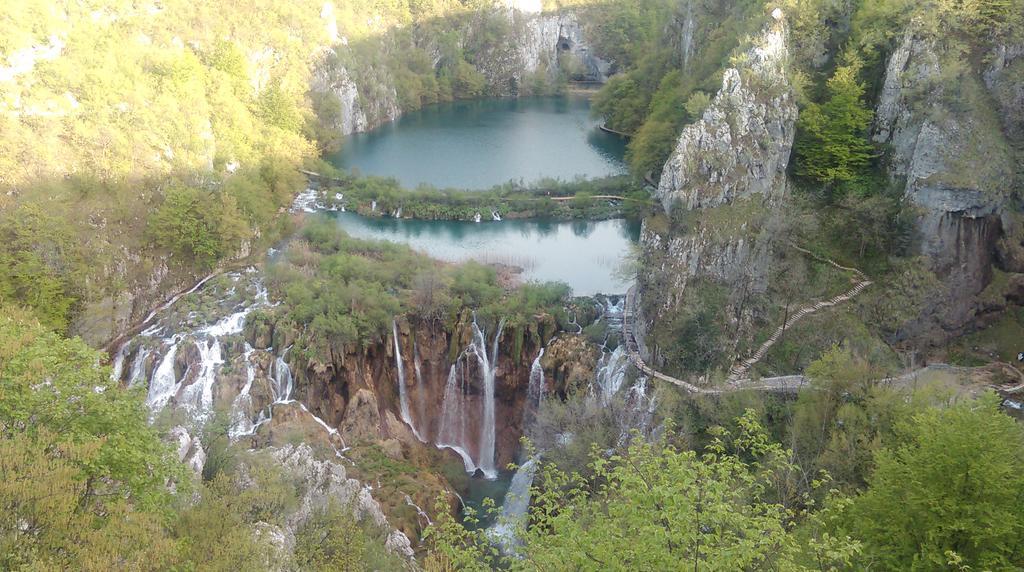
column 454, row 410
column 403, row 398
column 514, row 507
column 452, row 433
column 611, row 373
column 495, row 216
column 283, row 381
column 535, row 391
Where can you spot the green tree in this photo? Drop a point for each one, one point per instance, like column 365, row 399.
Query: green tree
column 39, row 265
column 52, row 383
column 833, row 145
column 656, row 507
column 83, row 477
column 952, row 489
column 189, row 223
column 333, row 540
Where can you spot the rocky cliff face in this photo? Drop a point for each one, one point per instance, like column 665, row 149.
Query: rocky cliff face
column 721, row 189
column 360, row 92
column 951, row 135
column 741, row 146
column 358, row 390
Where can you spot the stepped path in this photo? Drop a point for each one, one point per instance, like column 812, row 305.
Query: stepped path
column 786, row 383
column 860, row 282
column 737, row 379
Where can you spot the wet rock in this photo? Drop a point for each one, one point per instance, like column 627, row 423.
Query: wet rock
column 954, row 157
column 190, row 450
column 362, row 418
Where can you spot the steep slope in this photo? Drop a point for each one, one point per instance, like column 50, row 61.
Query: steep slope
column 721, row 189
column 951, row 135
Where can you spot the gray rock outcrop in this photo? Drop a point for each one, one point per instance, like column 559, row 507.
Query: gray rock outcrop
column 946, row 143
column 741, row 145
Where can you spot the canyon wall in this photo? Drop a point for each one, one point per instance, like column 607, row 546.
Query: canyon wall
column 954, row 138
column 720, row 190
column 516, row 48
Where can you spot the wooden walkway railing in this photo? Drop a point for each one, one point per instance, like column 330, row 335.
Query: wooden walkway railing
column 786, row 383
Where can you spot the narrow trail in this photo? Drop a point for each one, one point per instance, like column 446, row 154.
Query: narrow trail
column 860, row 282
column 738, row 379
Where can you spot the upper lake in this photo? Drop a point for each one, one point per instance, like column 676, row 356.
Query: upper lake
column 479, row 144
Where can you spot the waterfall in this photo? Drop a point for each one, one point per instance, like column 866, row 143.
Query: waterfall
column 488, row 367
column 282, row 378
column 535, row 391
column 452, row 433
column 476, row 218
column 136, row 373
column 403, row 399
column 611, row 373
column 514, row 507
column 688, row 29
column 162, row 386
column 495, row 216
column 398, row 212
column 241, row 421
column 373, row 206
column 197, row 397
column 117, row 367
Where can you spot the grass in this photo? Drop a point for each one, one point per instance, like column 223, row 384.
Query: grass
column 1000, row 340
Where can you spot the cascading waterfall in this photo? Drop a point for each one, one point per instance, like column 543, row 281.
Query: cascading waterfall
column 241, row 420
column 452, row 433
column 117, row 368
column 373, row 206
column 611, row 373
column 282, row 378
column 403, row 399
column 197, row 397
column 488, row 367
column 162, row 386
column 138, row 364
column 514, row 507
column 535, row 391
column 495, row 216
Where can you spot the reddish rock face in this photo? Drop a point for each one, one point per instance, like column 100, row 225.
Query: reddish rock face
column 357, row 391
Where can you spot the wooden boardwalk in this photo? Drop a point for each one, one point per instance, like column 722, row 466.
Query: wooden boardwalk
column 783, row 384
column 860, row 282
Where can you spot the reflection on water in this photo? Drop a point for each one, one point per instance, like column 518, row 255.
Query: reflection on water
column 583, row 254
column 479, row 144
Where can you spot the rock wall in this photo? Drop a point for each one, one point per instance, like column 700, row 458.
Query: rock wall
column 741, row 145
column 950, row 135
column 361, row 93
column 720, row 190
column 356, row 390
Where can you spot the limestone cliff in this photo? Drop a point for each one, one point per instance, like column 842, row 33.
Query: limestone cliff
column 950, row 136
column 721, row 189
column 514, row 47
column 741, row 145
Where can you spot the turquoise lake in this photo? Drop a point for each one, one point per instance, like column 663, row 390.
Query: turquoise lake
column 479, row 144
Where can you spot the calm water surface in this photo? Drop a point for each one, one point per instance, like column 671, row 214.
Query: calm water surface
column 583, row 254
column 479, row 144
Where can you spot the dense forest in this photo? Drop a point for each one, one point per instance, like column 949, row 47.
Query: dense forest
column 151, row 151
